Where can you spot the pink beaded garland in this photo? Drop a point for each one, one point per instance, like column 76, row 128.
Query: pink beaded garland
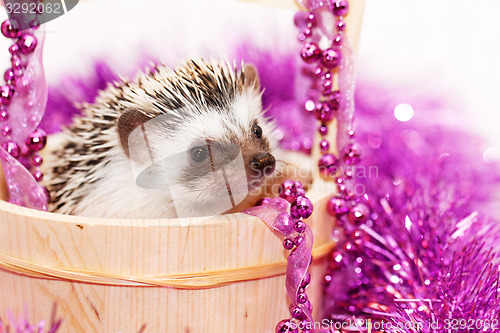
column 24, row 44
column 301, row 208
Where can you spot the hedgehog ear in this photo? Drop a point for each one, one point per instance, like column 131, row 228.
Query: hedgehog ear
column 127, row 123
column 251, row 76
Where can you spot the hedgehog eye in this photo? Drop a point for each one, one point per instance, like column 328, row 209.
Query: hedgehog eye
column 257, row 131
column 198, row 154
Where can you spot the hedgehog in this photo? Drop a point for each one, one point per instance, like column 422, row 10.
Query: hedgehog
column 182, row 142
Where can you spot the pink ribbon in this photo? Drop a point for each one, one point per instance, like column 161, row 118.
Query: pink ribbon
column 314, row 4
column 25, row 113
column 347, row 81
column 274, row 214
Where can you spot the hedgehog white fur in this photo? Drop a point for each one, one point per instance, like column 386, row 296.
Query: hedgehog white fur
column 200, row 104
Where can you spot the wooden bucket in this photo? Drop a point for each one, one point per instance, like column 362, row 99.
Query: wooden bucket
column 122, row 260
column 211, row 274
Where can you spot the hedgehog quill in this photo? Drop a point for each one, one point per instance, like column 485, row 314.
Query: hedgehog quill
column 183, row 142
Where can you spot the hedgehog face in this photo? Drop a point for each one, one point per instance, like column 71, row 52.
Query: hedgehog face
column 209, row 157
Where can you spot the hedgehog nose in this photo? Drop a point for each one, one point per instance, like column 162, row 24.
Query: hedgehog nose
column 262, row 160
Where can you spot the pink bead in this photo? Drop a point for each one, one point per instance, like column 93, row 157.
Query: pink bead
column 324, row 145
column 12, row 148
column 340, row 25
column 311, row 20
column 337, row 40
column 37, row 160
column 16, row 62
column 6, row 130
column 298, row 240
column 348, row 173
column 337, row 206
column 358, row 214
column 303, row 19
column 4, row 115
column 38, row 175
column 330, row 58
column 301, row 208
column 8, row 30
column 318, row 71
column 327, row 164
column 301, row 298
column 323, row 130
column 37, row 140
column 9, row 76
column 310, row 52
column 300, row 227
column 327, row 87
column 288, row 244
column 289, row 190
column 27, row 43
column 324, row 112
column 6, row 93
column 352, row 154
column 296, row 312
column 286, row 326
column 301, row 37
column 340, row 7
column 349, row 247
column 14, row 49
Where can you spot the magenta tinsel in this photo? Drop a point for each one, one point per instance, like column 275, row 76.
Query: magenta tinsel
column 427, row 259
column 22, row 325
